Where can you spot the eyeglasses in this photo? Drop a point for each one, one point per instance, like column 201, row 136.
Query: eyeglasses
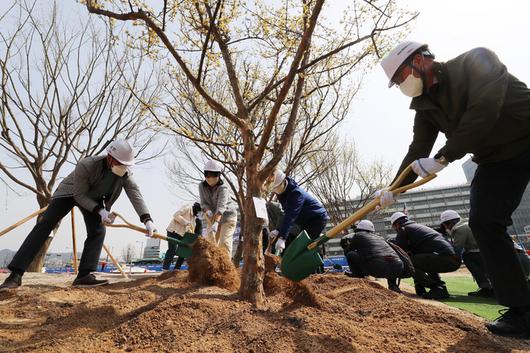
column 398, row 77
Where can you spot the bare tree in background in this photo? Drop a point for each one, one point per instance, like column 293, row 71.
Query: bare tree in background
column 249, row 67
column 65, row 92
column 348, row 182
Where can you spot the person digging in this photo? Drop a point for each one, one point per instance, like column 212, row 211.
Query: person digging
column 184, row 219
column 94, row 186
column 300, row 208
column 484, row 110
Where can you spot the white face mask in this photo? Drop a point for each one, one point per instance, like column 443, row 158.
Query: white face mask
column 412, row 86
column 119, row 170
column 280, row 188
column 212, row 181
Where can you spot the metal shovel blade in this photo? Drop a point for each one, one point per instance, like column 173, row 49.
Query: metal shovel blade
column 298, row 262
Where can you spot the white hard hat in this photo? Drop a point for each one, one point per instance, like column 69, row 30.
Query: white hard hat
column 213, row 166
column 396, row 216
column 365, row 225
column 397, row 56
column 448, row 215
column 279, row 177
column 122, row 151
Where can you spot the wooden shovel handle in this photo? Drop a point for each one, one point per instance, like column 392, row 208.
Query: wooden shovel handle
column 134, row 227
column 369, row 207
column 22, row 221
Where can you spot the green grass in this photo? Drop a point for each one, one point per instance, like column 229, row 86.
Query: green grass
column 458, row 288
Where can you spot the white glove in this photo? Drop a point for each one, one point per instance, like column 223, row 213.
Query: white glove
column 426, row 166
column 209, row 214
column 386, row 198
column 213, row 227
column 150, row 227
column 186, row 222
column 280, row 245
column 106, row 216
column 273, row 234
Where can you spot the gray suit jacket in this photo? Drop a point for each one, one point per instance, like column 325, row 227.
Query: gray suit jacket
column 87, row 173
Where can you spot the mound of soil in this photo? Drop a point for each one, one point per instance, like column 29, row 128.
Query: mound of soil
column 172, row 314
column 210, row 265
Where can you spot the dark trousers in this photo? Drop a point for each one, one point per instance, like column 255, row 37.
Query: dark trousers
column 427, row 267
column 264, row 239
column 379, row 267
column 57, row 209
column 171, row 251
column 475, row 265
column 496, row 191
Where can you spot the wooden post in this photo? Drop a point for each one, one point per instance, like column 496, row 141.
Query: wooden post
column 73, row 240
column 114, row 261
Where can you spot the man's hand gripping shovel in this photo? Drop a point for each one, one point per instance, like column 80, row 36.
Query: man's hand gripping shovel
column 184, row 245
column 301, row 258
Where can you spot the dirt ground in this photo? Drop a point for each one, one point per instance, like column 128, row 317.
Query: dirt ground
column 171, row 314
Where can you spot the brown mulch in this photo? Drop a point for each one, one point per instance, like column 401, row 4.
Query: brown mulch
column 326, row 313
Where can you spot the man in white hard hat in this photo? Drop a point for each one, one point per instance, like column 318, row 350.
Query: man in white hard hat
column 93, row 187
column 300, row 208
column 219, row 211
column 368, row 254
column 430, row 253
column 484, row 110
column 466, row 246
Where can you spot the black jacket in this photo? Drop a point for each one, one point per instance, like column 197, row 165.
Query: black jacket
column 370, row 246
column 479, row 106
column 419, row 239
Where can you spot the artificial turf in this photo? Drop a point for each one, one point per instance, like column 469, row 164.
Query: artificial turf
column 458, row 288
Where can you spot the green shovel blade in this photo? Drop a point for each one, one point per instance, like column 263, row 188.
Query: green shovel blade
column 298, row 262
column 184, row 244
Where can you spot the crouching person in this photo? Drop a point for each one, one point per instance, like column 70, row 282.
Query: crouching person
column 368, row 254
column 430, row 253
column 93, row 187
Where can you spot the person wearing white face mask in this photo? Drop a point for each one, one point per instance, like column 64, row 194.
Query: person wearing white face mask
column 300, row 207
column 93, row 187
column 219, row 212
column 484, row 110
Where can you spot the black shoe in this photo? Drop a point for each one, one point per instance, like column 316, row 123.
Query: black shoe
column 513, row 322
column 14, row 280
column 89, row 281
column 483, row 292
column 439, row 292
column 420, row 290
column 394, row 288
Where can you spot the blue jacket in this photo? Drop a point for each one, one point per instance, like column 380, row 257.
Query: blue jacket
column 299, row 207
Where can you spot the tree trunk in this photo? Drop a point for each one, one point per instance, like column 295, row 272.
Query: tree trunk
column 253, row 261
column 38, row 261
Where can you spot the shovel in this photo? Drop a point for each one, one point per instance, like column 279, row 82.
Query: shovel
column 184, row 245
column 301, row 258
